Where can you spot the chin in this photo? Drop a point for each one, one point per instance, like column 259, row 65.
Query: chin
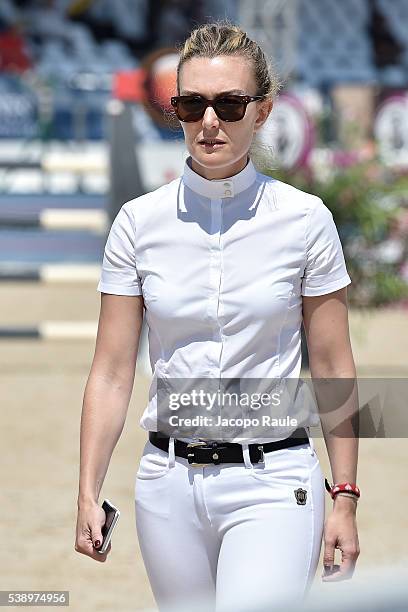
column 212, row 156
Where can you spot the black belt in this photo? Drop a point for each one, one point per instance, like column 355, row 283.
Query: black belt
column 203, row 452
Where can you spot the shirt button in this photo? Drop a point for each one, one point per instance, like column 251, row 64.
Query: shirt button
column 227, row 192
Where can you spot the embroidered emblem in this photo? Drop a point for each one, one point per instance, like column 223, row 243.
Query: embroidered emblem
column 301, row 495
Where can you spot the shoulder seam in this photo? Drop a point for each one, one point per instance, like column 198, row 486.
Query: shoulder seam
column 309, row 213
column 133, row 222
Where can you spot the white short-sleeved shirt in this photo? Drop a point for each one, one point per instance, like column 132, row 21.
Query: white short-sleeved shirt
column 222, row 266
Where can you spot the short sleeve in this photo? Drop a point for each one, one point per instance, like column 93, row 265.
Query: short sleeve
column 325, row 269
column 119, row 274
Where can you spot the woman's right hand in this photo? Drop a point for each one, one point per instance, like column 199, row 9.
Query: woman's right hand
column 91, row 517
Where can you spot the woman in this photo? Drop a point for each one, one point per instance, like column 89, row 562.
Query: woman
column 227, row 263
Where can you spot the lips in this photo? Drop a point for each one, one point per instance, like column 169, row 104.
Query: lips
column 211, row 141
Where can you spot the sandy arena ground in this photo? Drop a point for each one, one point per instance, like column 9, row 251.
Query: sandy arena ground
column 42, row 384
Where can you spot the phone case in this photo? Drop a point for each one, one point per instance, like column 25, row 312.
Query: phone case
column 108, row 535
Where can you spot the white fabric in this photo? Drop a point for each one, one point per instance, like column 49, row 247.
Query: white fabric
column 227, row 538
column 222, row 266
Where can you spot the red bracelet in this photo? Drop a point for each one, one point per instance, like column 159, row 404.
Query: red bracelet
column 348, row 487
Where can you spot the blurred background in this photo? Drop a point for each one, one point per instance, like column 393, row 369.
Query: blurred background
column 84, row 127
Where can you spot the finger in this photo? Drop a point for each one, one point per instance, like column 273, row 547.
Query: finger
column 97, row 536
column 102, row 556
column 344, row 571
column 88, row 550
column 330, row 571
column 328, row 555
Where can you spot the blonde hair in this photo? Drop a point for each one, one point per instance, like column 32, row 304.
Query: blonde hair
column 222, row 37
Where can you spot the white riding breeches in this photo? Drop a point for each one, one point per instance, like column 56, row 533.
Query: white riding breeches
column 236, row 536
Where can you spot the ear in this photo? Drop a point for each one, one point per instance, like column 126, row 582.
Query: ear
column 264, row 111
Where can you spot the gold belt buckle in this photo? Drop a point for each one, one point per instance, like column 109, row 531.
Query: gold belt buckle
column 193, row 463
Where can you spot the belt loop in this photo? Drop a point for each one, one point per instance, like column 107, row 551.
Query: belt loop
column 172, row 455
column 247, row 457
column 312, row 446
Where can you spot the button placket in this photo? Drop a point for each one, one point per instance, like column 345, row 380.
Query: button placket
column 218, row 336
column 215, row 277
column 219, row 288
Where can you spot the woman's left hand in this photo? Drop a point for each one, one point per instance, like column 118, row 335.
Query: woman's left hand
column 340, row 531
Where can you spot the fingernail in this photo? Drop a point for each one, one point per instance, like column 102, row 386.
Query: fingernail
column 97, row 543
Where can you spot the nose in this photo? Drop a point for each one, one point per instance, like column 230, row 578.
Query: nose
column 210, row 117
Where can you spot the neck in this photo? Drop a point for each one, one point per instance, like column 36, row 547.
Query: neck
column 219, row 173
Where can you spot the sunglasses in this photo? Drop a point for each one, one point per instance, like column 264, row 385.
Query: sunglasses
column 227, row 107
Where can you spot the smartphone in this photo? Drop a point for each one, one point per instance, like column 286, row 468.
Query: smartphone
column 112, row 516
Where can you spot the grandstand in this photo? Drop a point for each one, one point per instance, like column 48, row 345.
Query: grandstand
column 73, row 49
column 58, row 63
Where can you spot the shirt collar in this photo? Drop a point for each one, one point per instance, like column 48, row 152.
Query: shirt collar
column 219, row 188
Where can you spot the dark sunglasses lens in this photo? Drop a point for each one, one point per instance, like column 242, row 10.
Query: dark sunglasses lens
column 230, row 108
column 190, row 109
